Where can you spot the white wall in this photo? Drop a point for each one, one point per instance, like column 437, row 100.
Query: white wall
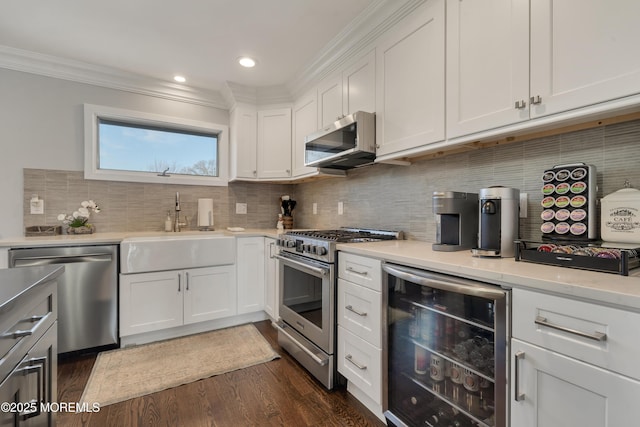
column 41, row 127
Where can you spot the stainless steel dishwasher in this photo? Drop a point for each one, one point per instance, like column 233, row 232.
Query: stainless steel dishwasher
column 87, row 292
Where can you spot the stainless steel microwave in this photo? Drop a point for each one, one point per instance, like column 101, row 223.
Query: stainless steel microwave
column 347, row 143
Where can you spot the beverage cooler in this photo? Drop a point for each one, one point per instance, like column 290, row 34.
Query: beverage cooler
column 446, row 354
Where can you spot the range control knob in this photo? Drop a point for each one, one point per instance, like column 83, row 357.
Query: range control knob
column 290, row 244
column 321, row 250
column 307, row 248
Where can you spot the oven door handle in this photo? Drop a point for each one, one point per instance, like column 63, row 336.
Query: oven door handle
column 302, row 265
column 308, row 352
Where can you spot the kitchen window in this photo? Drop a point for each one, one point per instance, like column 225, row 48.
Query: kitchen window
column 122, row 145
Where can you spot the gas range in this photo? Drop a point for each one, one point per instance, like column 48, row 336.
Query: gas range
column 321, row 244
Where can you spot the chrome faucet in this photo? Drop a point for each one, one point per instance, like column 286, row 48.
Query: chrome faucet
column 177, row 223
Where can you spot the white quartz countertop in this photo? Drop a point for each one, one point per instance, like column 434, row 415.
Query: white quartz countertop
column 603, row 288
column 117, row 237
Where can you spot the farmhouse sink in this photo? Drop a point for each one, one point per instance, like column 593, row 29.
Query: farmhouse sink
column 175, row 251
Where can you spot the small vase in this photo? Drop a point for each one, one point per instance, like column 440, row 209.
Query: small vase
column 85, row 229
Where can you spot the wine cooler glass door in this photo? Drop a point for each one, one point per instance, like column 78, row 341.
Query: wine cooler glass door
column 446, row 348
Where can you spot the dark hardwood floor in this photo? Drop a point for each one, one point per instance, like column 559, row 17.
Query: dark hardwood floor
column 276, row 393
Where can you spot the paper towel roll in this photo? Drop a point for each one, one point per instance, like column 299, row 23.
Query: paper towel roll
column 205, row 212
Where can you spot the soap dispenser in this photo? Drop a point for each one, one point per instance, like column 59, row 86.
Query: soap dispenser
column 168, row 224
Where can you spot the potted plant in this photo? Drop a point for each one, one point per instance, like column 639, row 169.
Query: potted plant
column 78, row 221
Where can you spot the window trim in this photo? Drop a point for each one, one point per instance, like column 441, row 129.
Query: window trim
column 91, row 171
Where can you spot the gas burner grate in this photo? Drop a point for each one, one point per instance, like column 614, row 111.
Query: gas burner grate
column 345, row 235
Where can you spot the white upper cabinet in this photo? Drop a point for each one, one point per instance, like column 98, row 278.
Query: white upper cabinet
column 274, row 143
column 410, row 81
column 305, row 122
column 487, row 64
column 509, row 61
column 260, row 143
column 583, row 52
column 354, row 89
column 359, row 85
column 329, row 100
column 244, row 156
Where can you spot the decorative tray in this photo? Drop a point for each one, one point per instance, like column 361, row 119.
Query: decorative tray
column 42, row 230
column 584, row 256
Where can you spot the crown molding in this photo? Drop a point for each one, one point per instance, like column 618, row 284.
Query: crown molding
column 235, row 93
column 357, row 38
column 51, row 66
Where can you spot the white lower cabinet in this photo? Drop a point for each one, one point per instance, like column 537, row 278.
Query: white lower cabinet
column 361, row 363
column 550, row 389
column 359, row 313
column 209, row 294
column 572, row 363
column 250, row 272
column 160, row 300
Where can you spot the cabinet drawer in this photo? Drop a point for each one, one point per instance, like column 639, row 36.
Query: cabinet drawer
column 603, row 336
column 360, row 363
column 359, row 311
column 361, row 270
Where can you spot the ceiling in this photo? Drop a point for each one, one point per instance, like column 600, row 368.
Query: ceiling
column 200, row 39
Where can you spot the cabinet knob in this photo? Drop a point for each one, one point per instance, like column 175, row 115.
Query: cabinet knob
column 255, row 173
column 521, row 104
column 535, row 100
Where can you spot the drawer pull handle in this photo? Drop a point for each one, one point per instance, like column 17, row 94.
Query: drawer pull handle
column 352, row 270
column 519, row 397
column 356, row 364
column 18, row 334
column 596, row 336
column 22, row 333
column 359, row 313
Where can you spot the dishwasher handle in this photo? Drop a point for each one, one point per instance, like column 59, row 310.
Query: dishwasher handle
column 30, row 261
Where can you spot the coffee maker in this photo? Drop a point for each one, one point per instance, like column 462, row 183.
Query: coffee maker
column 456, row 220
column 499, row 222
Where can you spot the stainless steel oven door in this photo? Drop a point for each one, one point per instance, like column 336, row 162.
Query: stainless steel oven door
column 307, row 295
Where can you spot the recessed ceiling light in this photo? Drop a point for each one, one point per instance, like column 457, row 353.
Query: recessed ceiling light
column 247, row 62
column 179, row 79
